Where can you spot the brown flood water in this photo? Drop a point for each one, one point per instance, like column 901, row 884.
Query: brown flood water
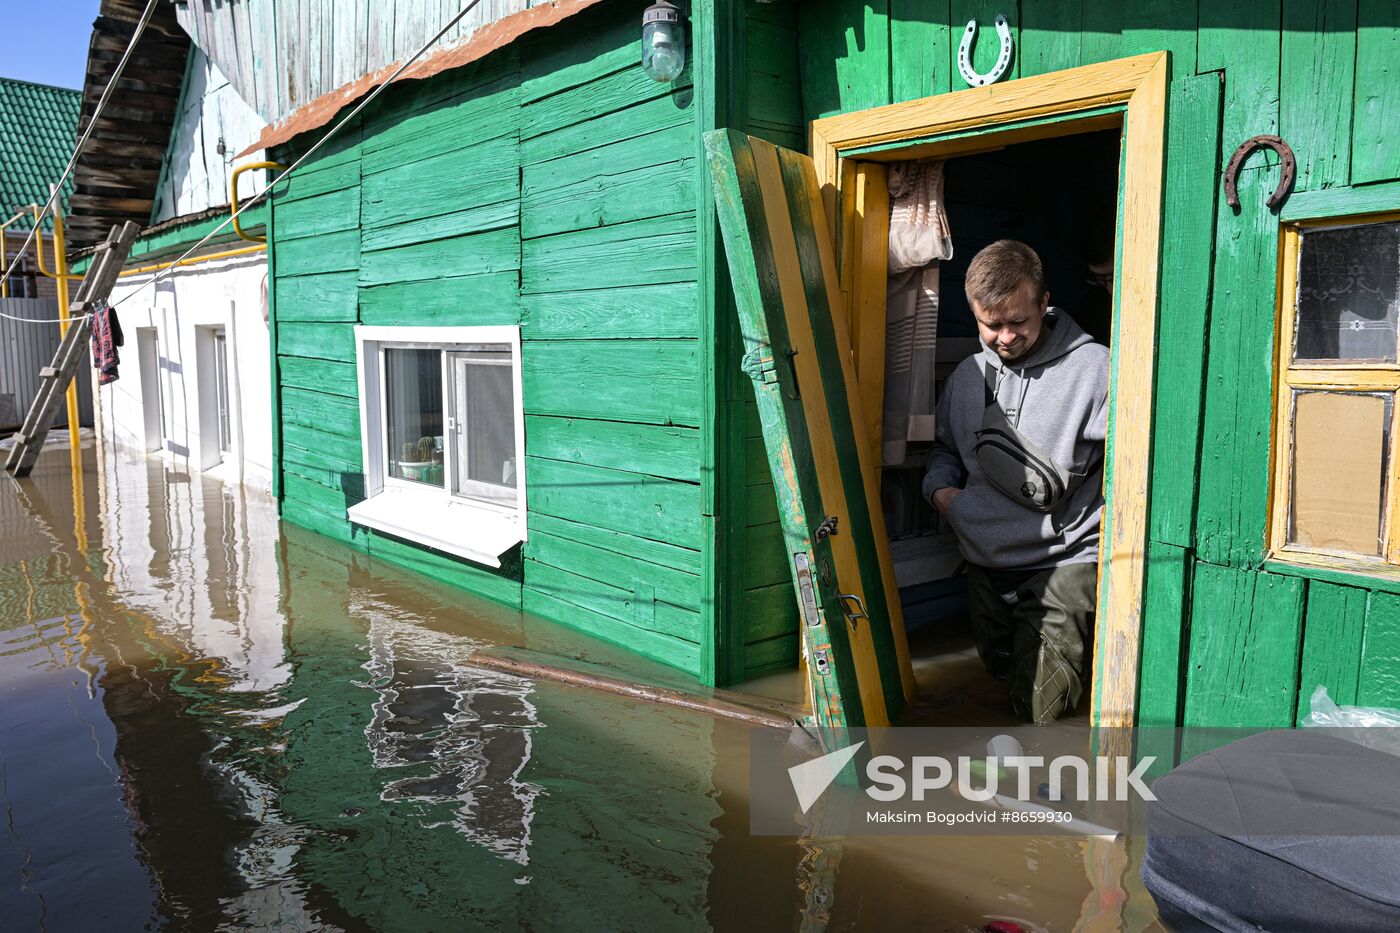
column 209, row 720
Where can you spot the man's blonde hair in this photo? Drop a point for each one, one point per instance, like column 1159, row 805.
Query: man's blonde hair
column 999, row 271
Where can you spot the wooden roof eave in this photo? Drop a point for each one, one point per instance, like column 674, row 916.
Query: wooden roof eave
column 117, row 176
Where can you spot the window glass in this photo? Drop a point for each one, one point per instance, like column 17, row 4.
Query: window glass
column 162, row 374
column 484, row 406
column 21, row 283
column 1340, row 445
column 413, row 410
column 1349, row 293
column 221, row 392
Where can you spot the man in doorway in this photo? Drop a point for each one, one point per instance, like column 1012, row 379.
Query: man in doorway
column 1017, row 469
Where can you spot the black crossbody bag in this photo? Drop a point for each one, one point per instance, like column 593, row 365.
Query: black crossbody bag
column 1014, row 463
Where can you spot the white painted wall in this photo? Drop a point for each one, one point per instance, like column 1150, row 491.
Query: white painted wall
column 166, row 382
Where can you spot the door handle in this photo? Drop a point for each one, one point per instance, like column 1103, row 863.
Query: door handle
column 852, row 615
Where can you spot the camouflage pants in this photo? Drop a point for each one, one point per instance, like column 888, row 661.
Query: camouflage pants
column 1034, row 630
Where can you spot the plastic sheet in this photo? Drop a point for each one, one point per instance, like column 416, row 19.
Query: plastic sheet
column 1362, row 724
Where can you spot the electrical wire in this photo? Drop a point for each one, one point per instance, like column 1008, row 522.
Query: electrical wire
column 261, row 195
column 82, row 142
column 306, row 155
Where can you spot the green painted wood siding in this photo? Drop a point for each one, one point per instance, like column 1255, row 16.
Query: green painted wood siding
column 550, row 186
column 1226, row 641
column 771, row 110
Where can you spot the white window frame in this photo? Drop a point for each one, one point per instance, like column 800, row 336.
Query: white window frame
column 478, row 529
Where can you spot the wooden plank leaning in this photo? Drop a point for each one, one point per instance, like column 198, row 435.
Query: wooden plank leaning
column 96, row 286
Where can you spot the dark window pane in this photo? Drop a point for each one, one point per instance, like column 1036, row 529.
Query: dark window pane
column 1349, row 294
column 413, row 403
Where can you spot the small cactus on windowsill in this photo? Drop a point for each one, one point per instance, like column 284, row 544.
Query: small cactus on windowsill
column 419, row 461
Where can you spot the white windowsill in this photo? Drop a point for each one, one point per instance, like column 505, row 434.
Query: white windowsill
column 431, row 517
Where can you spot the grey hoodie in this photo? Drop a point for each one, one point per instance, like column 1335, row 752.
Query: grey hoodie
column 1058, row 398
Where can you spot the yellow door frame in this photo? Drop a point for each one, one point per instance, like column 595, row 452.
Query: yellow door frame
column 1000, row 114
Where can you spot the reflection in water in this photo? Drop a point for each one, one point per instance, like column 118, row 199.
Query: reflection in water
column 472, row 727
column 212, row 721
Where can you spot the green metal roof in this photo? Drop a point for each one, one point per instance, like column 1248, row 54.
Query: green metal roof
column 38, row 129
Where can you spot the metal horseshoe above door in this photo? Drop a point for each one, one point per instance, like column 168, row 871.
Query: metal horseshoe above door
column 969, row 75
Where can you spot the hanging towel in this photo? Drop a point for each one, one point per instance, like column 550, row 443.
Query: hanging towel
column 106, row 338
column 918, row 222
column 919, row 238
column 911, row 325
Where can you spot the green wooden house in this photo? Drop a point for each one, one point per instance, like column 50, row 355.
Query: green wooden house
column 531, row 221
column 554, row 194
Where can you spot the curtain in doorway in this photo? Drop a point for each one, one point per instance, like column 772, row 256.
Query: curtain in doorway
column 919, row 239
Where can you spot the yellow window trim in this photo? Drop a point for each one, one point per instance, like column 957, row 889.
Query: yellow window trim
column 1325, row 374
column 1139, row 84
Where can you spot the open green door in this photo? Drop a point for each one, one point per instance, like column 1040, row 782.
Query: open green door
column 782, row 263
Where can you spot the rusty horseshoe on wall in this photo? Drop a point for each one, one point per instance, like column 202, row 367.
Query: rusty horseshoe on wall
column 1285, row 183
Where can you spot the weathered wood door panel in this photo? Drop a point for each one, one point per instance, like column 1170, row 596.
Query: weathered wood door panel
column 782, row 264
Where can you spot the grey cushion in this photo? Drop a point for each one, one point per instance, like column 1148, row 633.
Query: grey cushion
column 1286, row 830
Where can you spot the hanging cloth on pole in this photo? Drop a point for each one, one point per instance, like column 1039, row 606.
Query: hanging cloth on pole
column 919, row 239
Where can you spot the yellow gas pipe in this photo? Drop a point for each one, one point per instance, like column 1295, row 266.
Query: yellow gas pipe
column 60, row 275
column 195, row 260
column 233, row 196
column 237, row 228
column 59, row 260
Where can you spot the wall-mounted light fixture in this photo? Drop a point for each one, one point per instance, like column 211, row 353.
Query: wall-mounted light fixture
column 663, row 41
